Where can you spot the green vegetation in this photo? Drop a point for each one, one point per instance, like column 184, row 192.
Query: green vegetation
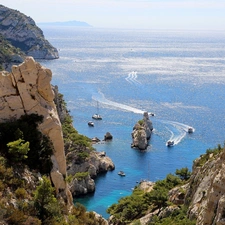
column 46, row 203
column 141, row 122
column 72, row 139
column 210, row 155
column 7, row 51
column 22, row 142
column 81, row 175
column 23, row 203
column 177, row 217
column 131, row 208
column 19, row 149
column 183, row 173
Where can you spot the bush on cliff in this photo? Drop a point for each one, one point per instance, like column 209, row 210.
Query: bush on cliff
column 17, row 135
column 72, row 139
column 133, row 207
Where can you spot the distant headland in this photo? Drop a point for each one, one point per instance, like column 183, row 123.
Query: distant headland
column 66, row 23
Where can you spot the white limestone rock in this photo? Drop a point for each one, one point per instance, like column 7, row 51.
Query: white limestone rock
column 27, row 90
column 142, row 133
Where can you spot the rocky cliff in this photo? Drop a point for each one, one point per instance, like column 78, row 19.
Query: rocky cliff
column 206, row 190
column 96, row 163
column 27, row 90
column 142, row 132
column 22, row 32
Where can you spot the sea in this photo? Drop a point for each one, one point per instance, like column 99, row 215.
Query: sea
column 177, row 75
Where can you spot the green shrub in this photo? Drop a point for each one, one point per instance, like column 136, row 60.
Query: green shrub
column 209, row 153
column 17, row 134
column 81, row 175
column 45, row 202
column 18, row 149
column 141, row 122
column 20, row 193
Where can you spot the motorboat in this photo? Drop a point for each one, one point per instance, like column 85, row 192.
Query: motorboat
column 170, row 143
column 96, row 117
column 121, row 173
column 190, row 130
column 90, row 123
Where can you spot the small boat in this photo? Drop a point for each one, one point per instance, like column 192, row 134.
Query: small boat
column 190, row 130
column 121, row 173
column 96, row 117
column 170, row 143
column 90, row 123
column 152, row 114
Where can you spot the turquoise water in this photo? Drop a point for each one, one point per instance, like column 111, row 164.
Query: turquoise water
column 179, row 76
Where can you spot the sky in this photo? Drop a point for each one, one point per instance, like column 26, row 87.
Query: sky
column 137, row 14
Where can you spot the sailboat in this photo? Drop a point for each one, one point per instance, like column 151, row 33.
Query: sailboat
column 96, row 116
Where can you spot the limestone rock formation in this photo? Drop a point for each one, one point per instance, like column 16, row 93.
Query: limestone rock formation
column 142, row 132
column 82, row 186
column 27, row 90
column 207, row 191
column 96, row 163
column 23, row 33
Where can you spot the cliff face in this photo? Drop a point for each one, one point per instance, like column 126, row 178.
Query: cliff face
column 23, row 33
column 96, row 163
column 27, row 90
column 206, row 191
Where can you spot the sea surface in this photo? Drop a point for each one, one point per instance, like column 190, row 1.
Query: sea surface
column 177, row 75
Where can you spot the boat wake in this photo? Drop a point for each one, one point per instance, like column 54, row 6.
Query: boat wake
column 101, row 98
column 132, row 78
column 179, row 132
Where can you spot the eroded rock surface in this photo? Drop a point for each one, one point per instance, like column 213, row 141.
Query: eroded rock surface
column 27, row 90
column 22, row 32
column 142, row 132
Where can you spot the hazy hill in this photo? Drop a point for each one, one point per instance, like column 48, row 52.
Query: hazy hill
column 66, row 23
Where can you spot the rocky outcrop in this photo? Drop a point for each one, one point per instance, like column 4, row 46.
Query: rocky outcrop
column 142, row 132
column 95, row 163
column 82, row 186
column 108, row 137
column 23, row 33
column 206, row 191
column 9, row 55
column 27, row 90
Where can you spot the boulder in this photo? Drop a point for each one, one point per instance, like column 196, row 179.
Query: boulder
column 108, row 137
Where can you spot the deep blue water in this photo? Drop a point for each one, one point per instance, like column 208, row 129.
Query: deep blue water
column 179, row 76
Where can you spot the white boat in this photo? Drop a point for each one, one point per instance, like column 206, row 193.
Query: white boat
column 170, row 143
column 121, row 173
column 190, row 130
column 90, row 123
column 96, row 117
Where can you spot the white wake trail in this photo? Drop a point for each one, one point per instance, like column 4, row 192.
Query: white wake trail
column 132, row 78
column 128, row 78
column 101, row 98
column 181, row 129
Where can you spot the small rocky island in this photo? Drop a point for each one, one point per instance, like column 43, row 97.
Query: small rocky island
column 142, row 131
